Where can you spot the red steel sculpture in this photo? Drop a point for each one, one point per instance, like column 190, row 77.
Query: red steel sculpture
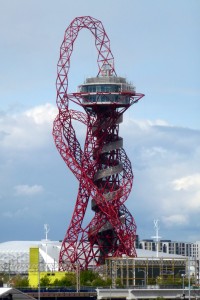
column 102, row 167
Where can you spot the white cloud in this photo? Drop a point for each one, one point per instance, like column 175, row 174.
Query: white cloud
column 42, row 114
column 187, row 183
column 130, row 125
column 149, row 123
column 175, row 220
column 162, row 157
column 15, row 214
column 194, row 202
column 27, row 130
column 27, row 190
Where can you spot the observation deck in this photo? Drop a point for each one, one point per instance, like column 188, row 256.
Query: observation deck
column 106, row 90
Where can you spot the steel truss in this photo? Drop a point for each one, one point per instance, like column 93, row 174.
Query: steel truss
column 102, row 168
column 132, row 271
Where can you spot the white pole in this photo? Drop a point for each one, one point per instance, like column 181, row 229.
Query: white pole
column 46, row 228
column 38, row 280
column 189, row 277
column 156, row 237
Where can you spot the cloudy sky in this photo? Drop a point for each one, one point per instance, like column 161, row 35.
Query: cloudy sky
column 156, row 45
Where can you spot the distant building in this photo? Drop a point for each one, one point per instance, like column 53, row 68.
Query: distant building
column 172, row 247
column 15, row 255
column 173, row 256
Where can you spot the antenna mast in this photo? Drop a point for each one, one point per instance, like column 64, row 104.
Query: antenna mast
column 156, row 237
column 46, row 229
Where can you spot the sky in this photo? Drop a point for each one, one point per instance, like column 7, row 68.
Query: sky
column 156, row 46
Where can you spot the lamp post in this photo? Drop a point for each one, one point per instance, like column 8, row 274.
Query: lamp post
column 38, row 280
column 189, row 283
column 183, row 285
column 77, row 278
column 189, row 271
column 145, row 275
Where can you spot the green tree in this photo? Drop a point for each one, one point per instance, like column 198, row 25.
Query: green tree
column 45, row 281
column 119, row 283
column 68, row 280
column 98, row 282
column 169, row 280
column 108, row 282
column 151, row 281
column 87, row 277
column 20, row 281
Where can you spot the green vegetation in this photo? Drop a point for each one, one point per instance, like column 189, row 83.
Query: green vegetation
column 87, row 278
column 45, row 281
column 68, row 280
column 91, row 278
column 174, row 280
column 17, row 281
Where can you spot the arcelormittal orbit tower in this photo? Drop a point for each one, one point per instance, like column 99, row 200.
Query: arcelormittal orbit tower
column 101, row 166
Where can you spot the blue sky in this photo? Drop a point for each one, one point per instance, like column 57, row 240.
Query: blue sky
column 156, row 46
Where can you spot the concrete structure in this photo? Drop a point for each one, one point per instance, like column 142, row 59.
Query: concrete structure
column 188, row 249
column 147, row 270
column 151, row 293
column 13, row 294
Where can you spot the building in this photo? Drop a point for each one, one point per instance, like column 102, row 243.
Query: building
column 16, row 258
column 15, row 255
column 146, row 269
column 172, row 247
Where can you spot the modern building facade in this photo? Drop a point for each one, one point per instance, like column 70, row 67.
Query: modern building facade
column 172, row 247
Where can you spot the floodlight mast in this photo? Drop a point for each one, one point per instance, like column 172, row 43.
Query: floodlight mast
column 102, row 168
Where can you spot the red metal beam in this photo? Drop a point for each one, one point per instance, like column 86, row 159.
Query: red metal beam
column 112, row 230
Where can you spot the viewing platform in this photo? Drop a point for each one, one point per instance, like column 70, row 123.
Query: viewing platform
column 106, row 90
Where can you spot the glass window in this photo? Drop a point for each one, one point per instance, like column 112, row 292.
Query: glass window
column 98, row 88
column 116, row 99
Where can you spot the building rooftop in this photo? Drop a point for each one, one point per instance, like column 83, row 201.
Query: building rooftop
column 14, row 255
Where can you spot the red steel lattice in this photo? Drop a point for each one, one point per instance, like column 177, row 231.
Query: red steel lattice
column 102, row 167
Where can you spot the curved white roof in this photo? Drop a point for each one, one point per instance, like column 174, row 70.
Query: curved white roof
column 153, row 254
column 14, row 255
